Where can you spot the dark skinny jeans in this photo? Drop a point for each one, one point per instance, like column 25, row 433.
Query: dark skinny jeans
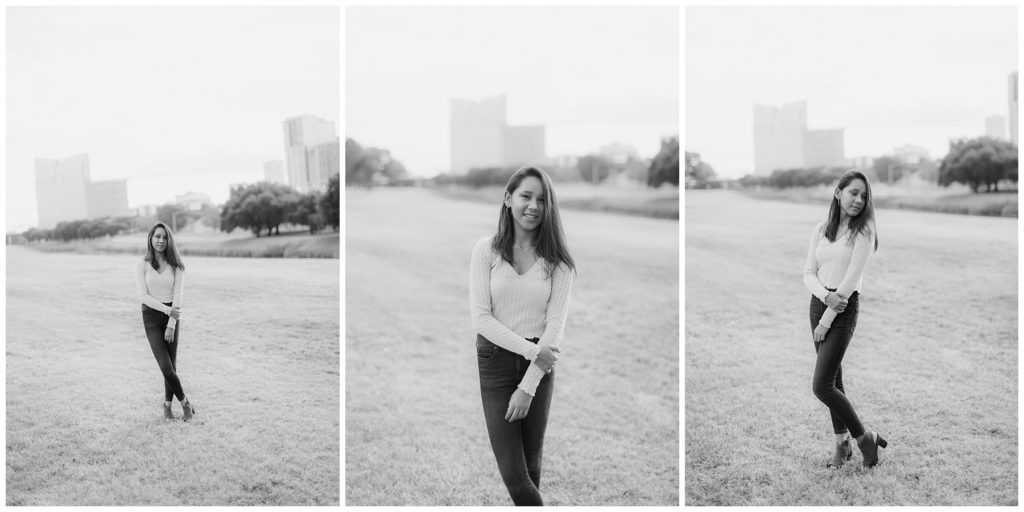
column 166, row 354
column 518, row 446
column 828, row 370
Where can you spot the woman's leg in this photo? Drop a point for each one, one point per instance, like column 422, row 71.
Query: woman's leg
column 535, row 424
column 827, row 369
column 499, row 376
column 163, row 358
column 837, row 423
column 172, row 351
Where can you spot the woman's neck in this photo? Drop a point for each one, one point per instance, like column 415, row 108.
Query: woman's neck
column 523, row 238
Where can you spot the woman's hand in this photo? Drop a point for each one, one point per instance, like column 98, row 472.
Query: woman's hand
column 518, row 406
column 819, row 332
column 836, row 301
column 169, row 334
column 546, row 357
column 175, row 312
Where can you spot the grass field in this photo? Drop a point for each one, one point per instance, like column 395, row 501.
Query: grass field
column 235, row 244
column 415, row 433
column 662, row 203
column 932, row 365
column 258, row 357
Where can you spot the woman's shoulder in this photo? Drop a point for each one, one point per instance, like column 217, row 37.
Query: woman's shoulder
column 819, row 228
column 140, row 264
column 484, row 245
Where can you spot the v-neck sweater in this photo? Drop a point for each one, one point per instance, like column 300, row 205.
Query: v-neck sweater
column 839, row 265
column 155, row 288
column 508, row 308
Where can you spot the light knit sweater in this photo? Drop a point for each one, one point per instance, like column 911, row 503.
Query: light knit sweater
column 154, row 288
column 507, row 308
column 838, row 265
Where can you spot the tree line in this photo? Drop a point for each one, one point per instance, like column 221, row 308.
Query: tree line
column 256, row 207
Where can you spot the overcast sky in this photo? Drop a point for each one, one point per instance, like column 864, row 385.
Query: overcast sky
column 173, row 99
column 592, row 75
column 888, row 76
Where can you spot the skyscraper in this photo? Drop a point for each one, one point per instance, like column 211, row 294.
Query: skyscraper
column 477, row 129
column 62, row 190
column 300, row 134
column 779, row 137
column 322, row 162
column 480, row 137
column 995, row 127
column 1013, row 108
column 782, row 140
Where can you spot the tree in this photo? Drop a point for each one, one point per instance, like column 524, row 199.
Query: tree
column 257, row 207
column 330, row 209
column 303, row 211
column 698, row 172
column 884, row 164
column 363, row 165
column 979, row 161
column 174, row 215
column 665, row 166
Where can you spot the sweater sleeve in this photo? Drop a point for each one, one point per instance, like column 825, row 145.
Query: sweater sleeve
column 863, row 245
column 811, row 280
column 554, row 323
column 142, row 291
column 484, row 321
column 179, row 290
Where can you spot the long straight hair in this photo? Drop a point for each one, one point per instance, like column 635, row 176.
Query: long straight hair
column 861, row 224
column 170, row 252
column 549, row 241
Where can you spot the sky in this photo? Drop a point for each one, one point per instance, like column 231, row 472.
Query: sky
column 172, row 99
column 888, row 76
column 592, row 75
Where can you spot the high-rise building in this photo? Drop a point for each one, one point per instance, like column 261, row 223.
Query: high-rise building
column 62, row 190
column 322, row 162
column 273, row 172
column 779, row 137
column 300, row 134
column 824, row 148
column 995, row 127
column 1013, row 108
column 480, row 137
column 108, row 198
column 782, row 140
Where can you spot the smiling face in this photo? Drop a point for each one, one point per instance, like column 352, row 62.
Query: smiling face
column 853, row 199
column 527, row 203
column 159, row 240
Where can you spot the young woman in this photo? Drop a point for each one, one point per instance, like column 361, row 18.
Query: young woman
column 159, row 282
column 839, row 251
column 520, row 279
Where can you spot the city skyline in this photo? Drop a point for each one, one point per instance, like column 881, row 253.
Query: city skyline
column 166, row 113
column 886, row 76
column 592, row 76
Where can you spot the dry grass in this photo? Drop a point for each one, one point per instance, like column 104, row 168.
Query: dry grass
column 238, row 244
column 259, row 357
column 933, row 364
column 954, row 199
column 415, row 433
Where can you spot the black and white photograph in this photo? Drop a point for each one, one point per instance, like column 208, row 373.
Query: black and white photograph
column 512, row 256
column 851, row 296
column 172, row 256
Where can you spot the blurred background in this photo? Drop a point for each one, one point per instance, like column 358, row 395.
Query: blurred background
column 780, row 102
column 220, row 122
column 442, row 106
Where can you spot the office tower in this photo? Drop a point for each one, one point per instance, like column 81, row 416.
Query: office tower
column 779, row 137
column 300, row 134
column 62, row 190
column 108, row 198
column 995, row 127
column 1013, row 107
column 477, row 131
column 824, row 148
column 323, row 161
column 273, row 172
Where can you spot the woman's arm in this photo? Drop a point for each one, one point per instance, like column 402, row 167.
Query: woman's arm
column 863, row 245
column 554, row 323
column 143, row 291
column 484, row 321
column 811, row 280
column 179, row 287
